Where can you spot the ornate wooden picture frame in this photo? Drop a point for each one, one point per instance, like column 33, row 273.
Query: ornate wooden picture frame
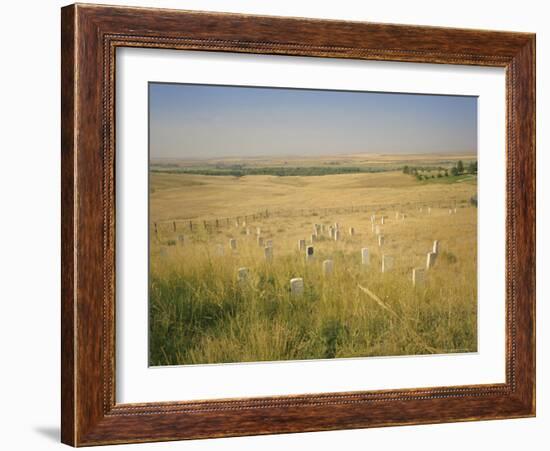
column 90, row 37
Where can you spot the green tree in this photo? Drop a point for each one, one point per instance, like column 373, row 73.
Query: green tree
column 405, row 169
column 460, row 167
column 472, row 167
column 454, row 171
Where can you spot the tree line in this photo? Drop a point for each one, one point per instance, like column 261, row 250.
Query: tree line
column 458, row 169
column 274, row 170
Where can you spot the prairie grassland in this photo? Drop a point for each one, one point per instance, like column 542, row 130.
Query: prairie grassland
column 200, row 313
column 198, row 197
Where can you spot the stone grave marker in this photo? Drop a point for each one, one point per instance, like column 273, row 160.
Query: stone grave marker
column 430, row 260
column 297, row 286
column 309, row 253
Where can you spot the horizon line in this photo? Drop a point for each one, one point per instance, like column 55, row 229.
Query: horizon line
column 328, row 155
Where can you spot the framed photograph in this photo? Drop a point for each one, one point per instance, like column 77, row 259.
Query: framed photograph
column 278, row 225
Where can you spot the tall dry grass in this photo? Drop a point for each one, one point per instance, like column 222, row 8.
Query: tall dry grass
column 200, row 313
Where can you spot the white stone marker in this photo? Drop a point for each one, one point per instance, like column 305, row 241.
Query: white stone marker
column 430, row 260
column 219, row 250
column 269, row 243
column 450, row 211
column 248, row 231
column 236, row 224
column 455, row 210
column 380, row 240
column 377, row 230
column 244, row 224
column 372, row 227
column 301, row 245
column 383, row 220
column 365, row 256
column 387, row 263
column 260, row 240
column 336, row 226
column 403, row 217
column 435, row 248
column 297, row 286
column 336, row 235
column 373, row 219
column 309, row 253
column 351, row 231
column 429, row 210
column 418, row 276
column 233, row 243
column 242, row 275
column 268, row 253
column 258, row 231
column 328, row 266
column 396, row 215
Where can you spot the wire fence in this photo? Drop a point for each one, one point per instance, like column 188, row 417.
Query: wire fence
column 191, row 225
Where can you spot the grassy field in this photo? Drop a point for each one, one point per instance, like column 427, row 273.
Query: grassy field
column 201, row 313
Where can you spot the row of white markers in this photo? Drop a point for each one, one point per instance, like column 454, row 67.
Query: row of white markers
column 333, row 232
column 297, row 283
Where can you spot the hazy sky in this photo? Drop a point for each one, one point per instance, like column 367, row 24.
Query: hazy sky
column 202, row 121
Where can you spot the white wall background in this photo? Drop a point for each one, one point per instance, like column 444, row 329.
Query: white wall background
column 30, row 227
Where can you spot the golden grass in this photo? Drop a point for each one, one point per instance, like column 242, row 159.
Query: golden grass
column 200, row 313
column 187, row 196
